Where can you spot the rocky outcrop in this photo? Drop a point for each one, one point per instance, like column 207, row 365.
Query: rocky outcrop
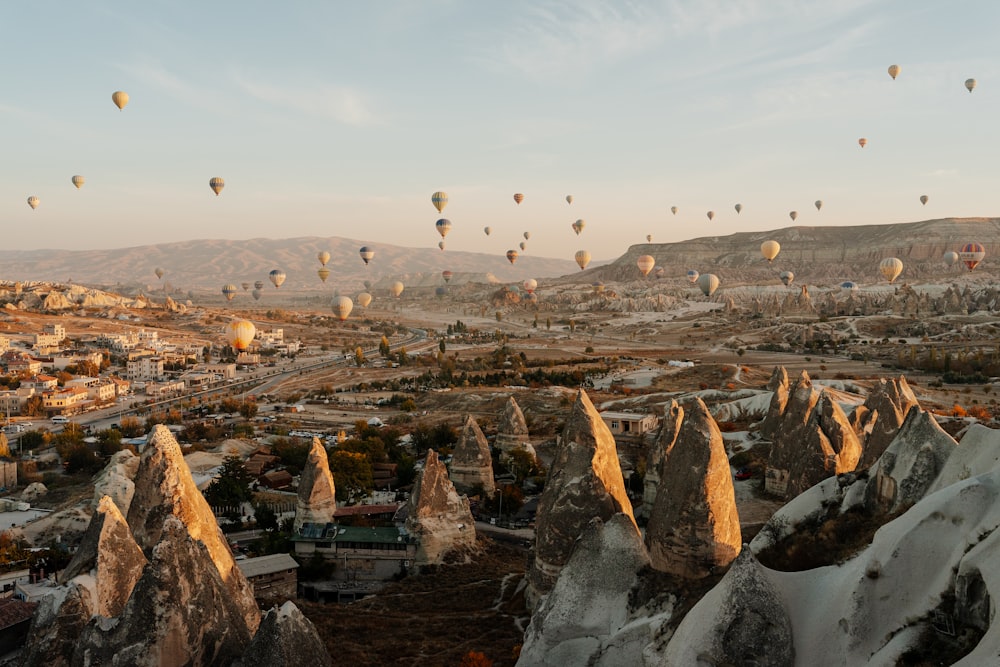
column 978, row 453
column 437, row 516
column 778, row 385
column 589, row 604
column 585, row 481
column 742, row 621
column 56, row 626
column 471, row 463
column 317, row 500
column 882, row 415
column 694, row 528
column 164, row 488
column 286, row 637
column 116, row 480
column 512, row 429
column 670, row 425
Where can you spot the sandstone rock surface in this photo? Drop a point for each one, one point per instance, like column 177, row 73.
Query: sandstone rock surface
column 512, row 429
column 437, row 515
column 471, row 462
column 286, row 637
column 673, row 415
column 317, row 499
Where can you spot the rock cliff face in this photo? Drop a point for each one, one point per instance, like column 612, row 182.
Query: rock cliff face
column 694, row 527
column 778, row 384
column 164, row 488
column 286, row 637
column 317, row 500
column 471, row 463
column 882, row 415
column 115, row 480
column 590, row 602
column 437, row 516
column 585, row 481
column 512, row 429
column 673, row 414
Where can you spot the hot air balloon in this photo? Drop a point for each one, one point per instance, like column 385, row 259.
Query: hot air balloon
column 216, row 183
column 487, row 230
column 569, row 199
column 518, row 198
column 440, row 245
column 342, row 307
column 245, row 286
column 277, row 277
column 440, row 200
column 970, row 84
column 710, row 214
column 692, row 276
column 819, row 204
column 770, row 250
column 578, row 226
column 364, row 299
column 890, row 268
column 708, row 282
column 950, row 257
column 649, row 238
column 447, row 276
column 673, row 209
column 159, row 272
column 367, row 284
column 847, row 288
column 530, row 285
column 366, row 254
column 511, row 256
column 893, row 71
column 229, row 291
column 396, row 288
column 33, row 202
column 120, row 98
column 862, row 142
column 787, row 277
column 323, row 273
column 256, row 294
column 78, row 181
column 522, row 245
column 258, row 284
column 526, row 235
column 598, row 286
column 240, row 333
column 323, row 257
column 645, row 264
column 738, row 207
column 440, row 291
column 971, row 254
column 582, row 258
column 443, row 226
column 793, row 215
column 923, row 199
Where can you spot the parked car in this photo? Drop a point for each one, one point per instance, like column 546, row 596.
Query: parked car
column 744, row 473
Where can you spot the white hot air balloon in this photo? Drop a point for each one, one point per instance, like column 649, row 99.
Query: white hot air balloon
column 770, row 250
column 708, row 282
column 240, row 333
column 396, row 288
column 970, row 84
column 890, row 268
column 582, row 258
column 787, row 277
column 342, row 307
column 364, row 299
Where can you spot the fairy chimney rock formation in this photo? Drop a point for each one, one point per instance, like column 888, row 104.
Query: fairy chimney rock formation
column 512, row 429
column 116, row 480
column 438, row 517
column 585, row 481
column 471, row 462
column 317, row 500
column 882, row 415
column 163, row 488
column 694, row 527
column 286, row 637
column 673, row 414
column 778, row 385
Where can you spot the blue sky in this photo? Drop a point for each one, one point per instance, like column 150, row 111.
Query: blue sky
column 342, row 118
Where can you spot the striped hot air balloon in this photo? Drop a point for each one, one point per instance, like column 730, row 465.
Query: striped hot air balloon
column 972, row 254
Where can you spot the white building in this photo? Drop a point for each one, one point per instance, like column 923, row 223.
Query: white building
column 144, row 368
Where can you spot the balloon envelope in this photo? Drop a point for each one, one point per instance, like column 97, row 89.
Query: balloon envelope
column 649, row 238
column 793, row 215
column 78, row 181
column 692, row 276
column 770, row 250
column 847, row 287
column 582, row 258
column 323, row 257
column 240, row 333
column 256, row 294
column 710, row 214
column 738, row 207
column 819, row 204
column 366, row 254
column 924, row 199
column 342, row 307
column 569, row 199
column 440, row 200
column 443, row 226
column 890, row 268
column 33, row 202
column 950, row 257
column 258, row 284
column 518, row 198
column 447, row 276
column 277, row 276
column 970, row 84
column 364, row 299
column 245, row 286
column 441, row 245
column 526, row 235
column 522, row 245
column 787, row 277
column 216, row 183
column 578, row 226
column 229, row 291
column 673, row 209
column 708, row 282
column 487, row 230
column 530, row 285
column 396, row 288
column 645, row 264
column 862, row 142
column 158, row 271
column 511, row 256
column 323, row 273
column 120, row 98
column 893, row 71
column 972, row 254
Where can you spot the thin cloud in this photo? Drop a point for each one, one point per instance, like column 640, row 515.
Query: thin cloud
column 342, row 104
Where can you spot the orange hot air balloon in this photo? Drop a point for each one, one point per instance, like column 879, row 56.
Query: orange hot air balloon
column 862, row 142
column 518, row 198
column 972, row 254
column 511, row 256
column 240, row 333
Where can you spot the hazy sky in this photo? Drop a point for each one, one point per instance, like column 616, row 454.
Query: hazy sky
column 342, row 118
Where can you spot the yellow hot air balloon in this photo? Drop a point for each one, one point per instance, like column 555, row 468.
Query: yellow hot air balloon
column 511, row 256
column 970, row 84
column 862, row 142
column 240, row 333
column 649, row 238
column 582, row 258
column 216, row 183
column 738, row 207
column 440, row 200
column 364, row 299
column 396, row 288
column 569, row 199
column 770, row 250
column 33, row 202
column 229, row 291
column 890, row 268
column 487, row 230
column 710, row 214
column 120, row 98
column 645, row 264
column 924, row 199
column 323, row 273
column 673, row 209
column 78, row 181
column 159, row 272
column 518, row 198
column 578, row 226
column 342, row 307
column 819, row 204
column 323, row 257
column 893, row 71
column 708, row 282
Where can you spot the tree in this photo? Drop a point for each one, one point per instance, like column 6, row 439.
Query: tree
column 265, row 516
column 441, row 346
column 232, row 486
column 33, row 406
column 548, row 322
column 359, row 356
column 248, row 409
column 383, row 347
column 131, row 427
column 352, row 474
column 32, row 440
column 4, row 446
column 475, row 659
